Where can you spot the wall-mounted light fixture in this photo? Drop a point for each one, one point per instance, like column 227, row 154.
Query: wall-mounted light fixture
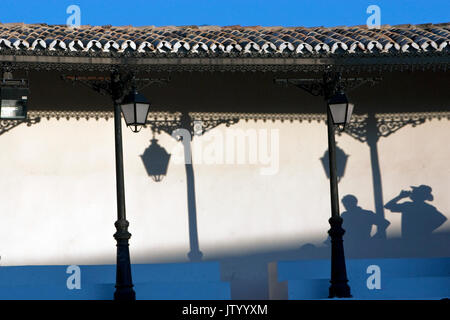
column 13, row 98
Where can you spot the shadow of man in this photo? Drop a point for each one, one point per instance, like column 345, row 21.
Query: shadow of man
column 419, row 218
column 358, row 222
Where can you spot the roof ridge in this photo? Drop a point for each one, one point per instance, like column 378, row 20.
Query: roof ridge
column 255, row 27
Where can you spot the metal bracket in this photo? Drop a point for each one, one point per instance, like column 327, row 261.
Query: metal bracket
column 329, row 84
column 117, row 85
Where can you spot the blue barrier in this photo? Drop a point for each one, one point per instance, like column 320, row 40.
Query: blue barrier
column 191, row 281
column 399, row 278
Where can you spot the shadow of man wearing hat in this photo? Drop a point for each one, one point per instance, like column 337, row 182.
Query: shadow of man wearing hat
column 419, row 218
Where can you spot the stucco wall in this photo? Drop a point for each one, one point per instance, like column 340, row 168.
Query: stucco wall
column 57, row 186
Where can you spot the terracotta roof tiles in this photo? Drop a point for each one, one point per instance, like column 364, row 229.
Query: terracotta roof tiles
column 61, row 39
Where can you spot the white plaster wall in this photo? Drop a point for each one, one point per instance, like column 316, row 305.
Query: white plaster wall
column 58, row 198
column 415, row 156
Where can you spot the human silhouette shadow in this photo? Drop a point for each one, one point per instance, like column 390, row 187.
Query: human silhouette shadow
column 358, row 224
column 419, row 218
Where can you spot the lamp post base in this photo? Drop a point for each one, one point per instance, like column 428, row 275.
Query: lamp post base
column 124, row 294
column 339, row 290
column 124, row 283
column 195, row 255
column 339, row 283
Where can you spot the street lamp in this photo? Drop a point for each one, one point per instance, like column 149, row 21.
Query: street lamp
column 135, row 109
column 339, row 112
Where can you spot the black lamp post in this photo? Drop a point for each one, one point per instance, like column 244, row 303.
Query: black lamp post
column 135, row 109
column 339, row 112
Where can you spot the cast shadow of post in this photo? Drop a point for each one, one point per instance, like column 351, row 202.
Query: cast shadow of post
column 194, row 254
column 186, row 123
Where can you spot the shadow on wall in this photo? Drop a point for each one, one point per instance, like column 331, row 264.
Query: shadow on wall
column 418, row 222
column 253, row 276
column 341, row 162
column 419, row 218
column 156, row 161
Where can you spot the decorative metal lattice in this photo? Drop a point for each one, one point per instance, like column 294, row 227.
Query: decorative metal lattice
column 197, row 123
column 386, row 124
column 124, row 82
column 328, row 85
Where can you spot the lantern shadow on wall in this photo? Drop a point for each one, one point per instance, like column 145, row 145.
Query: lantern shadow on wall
column 156, row 160
column 341, row 162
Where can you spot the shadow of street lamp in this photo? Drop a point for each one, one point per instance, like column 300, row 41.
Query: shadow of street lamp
column 156, row 160
column 183, row 126
column 341, row 163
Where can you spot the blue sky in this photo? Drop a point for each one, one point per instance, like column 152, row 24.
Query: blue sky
column 226, row 12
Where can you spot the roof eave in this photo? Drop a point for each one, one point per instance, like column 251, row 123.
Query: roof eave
column 219, row 63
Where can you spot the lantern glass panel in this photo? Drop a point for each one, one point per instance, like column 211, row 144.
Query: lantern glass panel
column 349, row 113
column 338, row 112
column 128, row 113
column 141, row 113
